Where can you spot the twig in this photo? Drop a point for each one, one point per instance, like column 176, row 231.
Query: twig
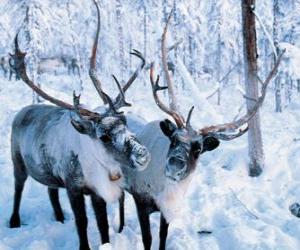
column 227, row 74
column 212, row 94
column 243, row 205
column 259, row 79
column 249, row 98
column 266, row 33
column 175, row 45
column 222, row 79
column 239, row 111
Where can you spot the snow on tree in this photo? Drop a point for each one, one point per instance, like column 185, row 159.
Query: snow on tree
column 255, row 144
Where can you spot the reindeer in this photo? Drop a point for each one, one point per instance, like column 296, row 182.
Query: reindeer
column 3, row 66
column 68, row 146
column 175, row 149
column 73, row 67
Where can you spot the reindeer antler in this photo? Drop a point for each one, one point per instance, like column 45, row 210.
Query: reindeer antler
column 155, row 88
column 20, row 68
column 225, row 131
column 120, row 99
column 92, row 71
column 172, row 109
column 221, row 131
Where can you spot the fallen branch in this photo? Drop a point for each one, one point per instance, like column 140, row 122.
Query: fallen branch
column 243, row 205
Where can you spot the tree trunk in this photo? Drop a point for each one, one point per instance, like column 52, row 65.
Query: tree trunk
column 32, row 26
column 75, row 50
column 218, row 62
column 145, row 21
column 278, row 103
column 164, row 7
column 255, row 144
column 121, row 38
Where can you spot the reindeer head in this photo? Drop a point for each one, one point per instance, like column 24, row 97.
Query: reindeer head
column 185, row 149
column 109, row 126
column 186, row 143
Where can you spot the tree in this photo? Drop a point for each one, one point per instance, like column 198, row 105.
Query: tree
column 121, row 38
column 278, row 105
column 32, row 31
column 255, row 144
column 75, row 48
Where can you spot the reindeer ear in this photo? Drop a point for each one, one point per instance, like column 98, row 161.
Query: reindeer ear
column 83, row 127
column 210, row 143
column 167, row 127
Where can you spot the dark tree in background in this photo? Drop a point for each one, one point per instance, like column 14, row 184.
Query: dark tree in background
column 256, row 153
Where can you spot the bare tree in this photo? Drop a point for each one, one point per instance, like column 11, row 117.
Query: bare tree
column 278, row 103
column 145, row 22
column 120, row 37
column 75, row 47
column 219, row 53
column 255, row 143
column 32, row 28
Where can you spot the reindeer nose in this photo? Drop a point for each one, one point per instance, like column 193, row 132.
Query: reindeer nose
column 177, row 163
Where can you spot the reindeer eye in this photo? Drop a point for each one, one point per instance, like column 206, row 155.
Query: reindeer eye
column 105, row 138
column 173, row 143
column 196, row 148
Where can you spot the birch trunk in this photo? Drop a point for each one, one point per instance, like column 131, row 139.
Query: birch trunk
column 255, row 143
column 278, row 103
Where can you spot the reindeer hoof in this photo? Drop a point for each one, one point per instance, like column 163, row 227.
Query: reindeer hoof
column 14, row 221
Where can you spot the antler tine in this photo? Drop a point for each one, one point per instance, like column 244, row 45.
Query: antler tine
column 137, row 71
column 219, row 130
column 164, row 52
column 92, row 70
column 120, row 100
column 76, row 103
column 20, row 68
column 188, row 120
column 155, row 88
column 229, row 137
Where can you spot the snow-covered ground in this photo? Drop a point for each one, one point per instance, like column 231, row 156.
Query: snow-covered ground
column 241, row 212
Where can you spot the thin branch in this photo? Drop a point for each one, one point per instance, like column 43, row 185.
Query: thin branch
column 249, row 98
column 213, row 93
column 175, row 45
column 266, row 33
column 222, row 79
column 243, row 205
column 229, row 72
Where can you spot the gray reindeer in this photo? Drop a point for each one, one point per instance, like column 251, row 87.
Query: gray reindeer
column 175, row 150
column 68, row 146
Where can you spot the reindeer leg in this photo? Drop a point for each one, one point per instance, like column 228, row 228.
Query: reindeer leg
column 99, row 206
column 163, row 232
column 121, row 212
column 54, row 199
column 78, row 206
column 144, row 220
column 20, row 178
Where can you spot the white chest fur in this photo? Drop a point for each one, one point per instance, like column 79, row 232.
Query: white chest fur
column 96, row 164
column 171, row 200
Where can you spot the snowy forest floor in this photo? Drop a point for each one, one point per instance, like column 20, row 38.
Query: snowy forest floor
column 241, row 212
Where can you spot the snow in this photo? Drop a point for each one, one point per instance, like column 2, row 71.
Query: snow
column 240, row 211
